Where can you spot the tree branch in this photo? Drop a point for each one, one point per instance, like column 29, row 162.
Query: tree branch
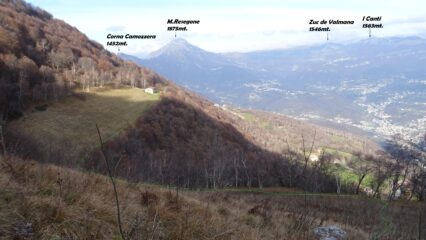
column 112, row 182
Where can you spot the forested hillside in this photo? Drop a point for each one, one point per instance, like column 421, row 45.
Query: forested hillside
column 185, row 141
column 44, row 59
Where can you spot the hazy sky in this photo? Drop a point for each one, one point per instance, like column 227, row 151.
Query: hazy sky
column 239, row 25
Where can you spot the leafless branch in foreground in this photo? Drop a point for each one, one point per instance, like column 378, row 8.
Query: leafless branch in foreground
column 112, row 182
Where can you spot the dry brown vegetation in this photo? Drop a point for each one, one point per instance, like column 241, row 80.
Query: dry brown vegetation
column 49, row 202
column 289, row 216
column 39, row 201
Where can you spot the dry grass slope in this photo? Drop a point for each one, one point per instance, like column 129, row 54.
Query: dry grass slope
column 40, row 201
column 49, row 202
column 283, row 215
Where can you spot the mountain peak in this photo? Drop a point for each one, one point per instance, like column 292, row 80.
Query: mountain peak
column 179, row 41
column 176, row 47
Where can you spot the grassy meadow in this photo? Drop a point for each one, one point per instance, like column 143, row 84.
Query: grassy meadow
column 68, row 126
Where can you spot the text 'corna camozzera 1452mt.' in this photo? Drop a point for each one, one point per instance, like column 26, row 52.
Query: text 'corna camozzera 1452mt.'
column 117, row 39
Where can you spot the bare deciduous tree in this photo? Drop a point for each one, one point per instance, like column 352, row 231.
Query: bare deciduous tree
column 361, row 166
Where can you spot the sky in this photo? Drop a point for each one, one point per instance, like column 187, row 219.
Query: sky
column 238, row 25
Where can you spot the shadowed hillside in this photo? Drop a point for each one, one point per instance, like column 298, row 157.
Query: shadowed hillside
column 185, row 141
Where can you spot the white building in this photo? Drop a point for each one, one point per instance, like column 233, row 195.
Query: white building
column 314, row 158
column 150, row 90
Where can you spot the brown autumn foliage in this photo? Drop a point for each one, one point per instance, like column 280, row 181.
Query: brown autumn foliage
column 184, row 141
column 43, row 59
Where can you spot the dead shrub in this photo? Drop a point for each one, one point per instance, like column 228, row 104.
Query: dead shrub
column 148, row 198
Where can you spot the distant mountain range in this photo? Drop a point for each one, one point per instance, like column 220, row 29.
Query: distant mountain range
column 377, row 85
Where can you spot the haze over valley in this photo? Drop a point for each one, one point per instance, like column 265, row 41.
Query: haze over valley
column 375, row 86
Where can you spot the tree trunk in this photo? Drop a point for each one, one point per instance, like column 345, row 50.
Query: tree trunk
column 359, row 184
column 338, row 184
column 376, row 191
column 3, row 145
